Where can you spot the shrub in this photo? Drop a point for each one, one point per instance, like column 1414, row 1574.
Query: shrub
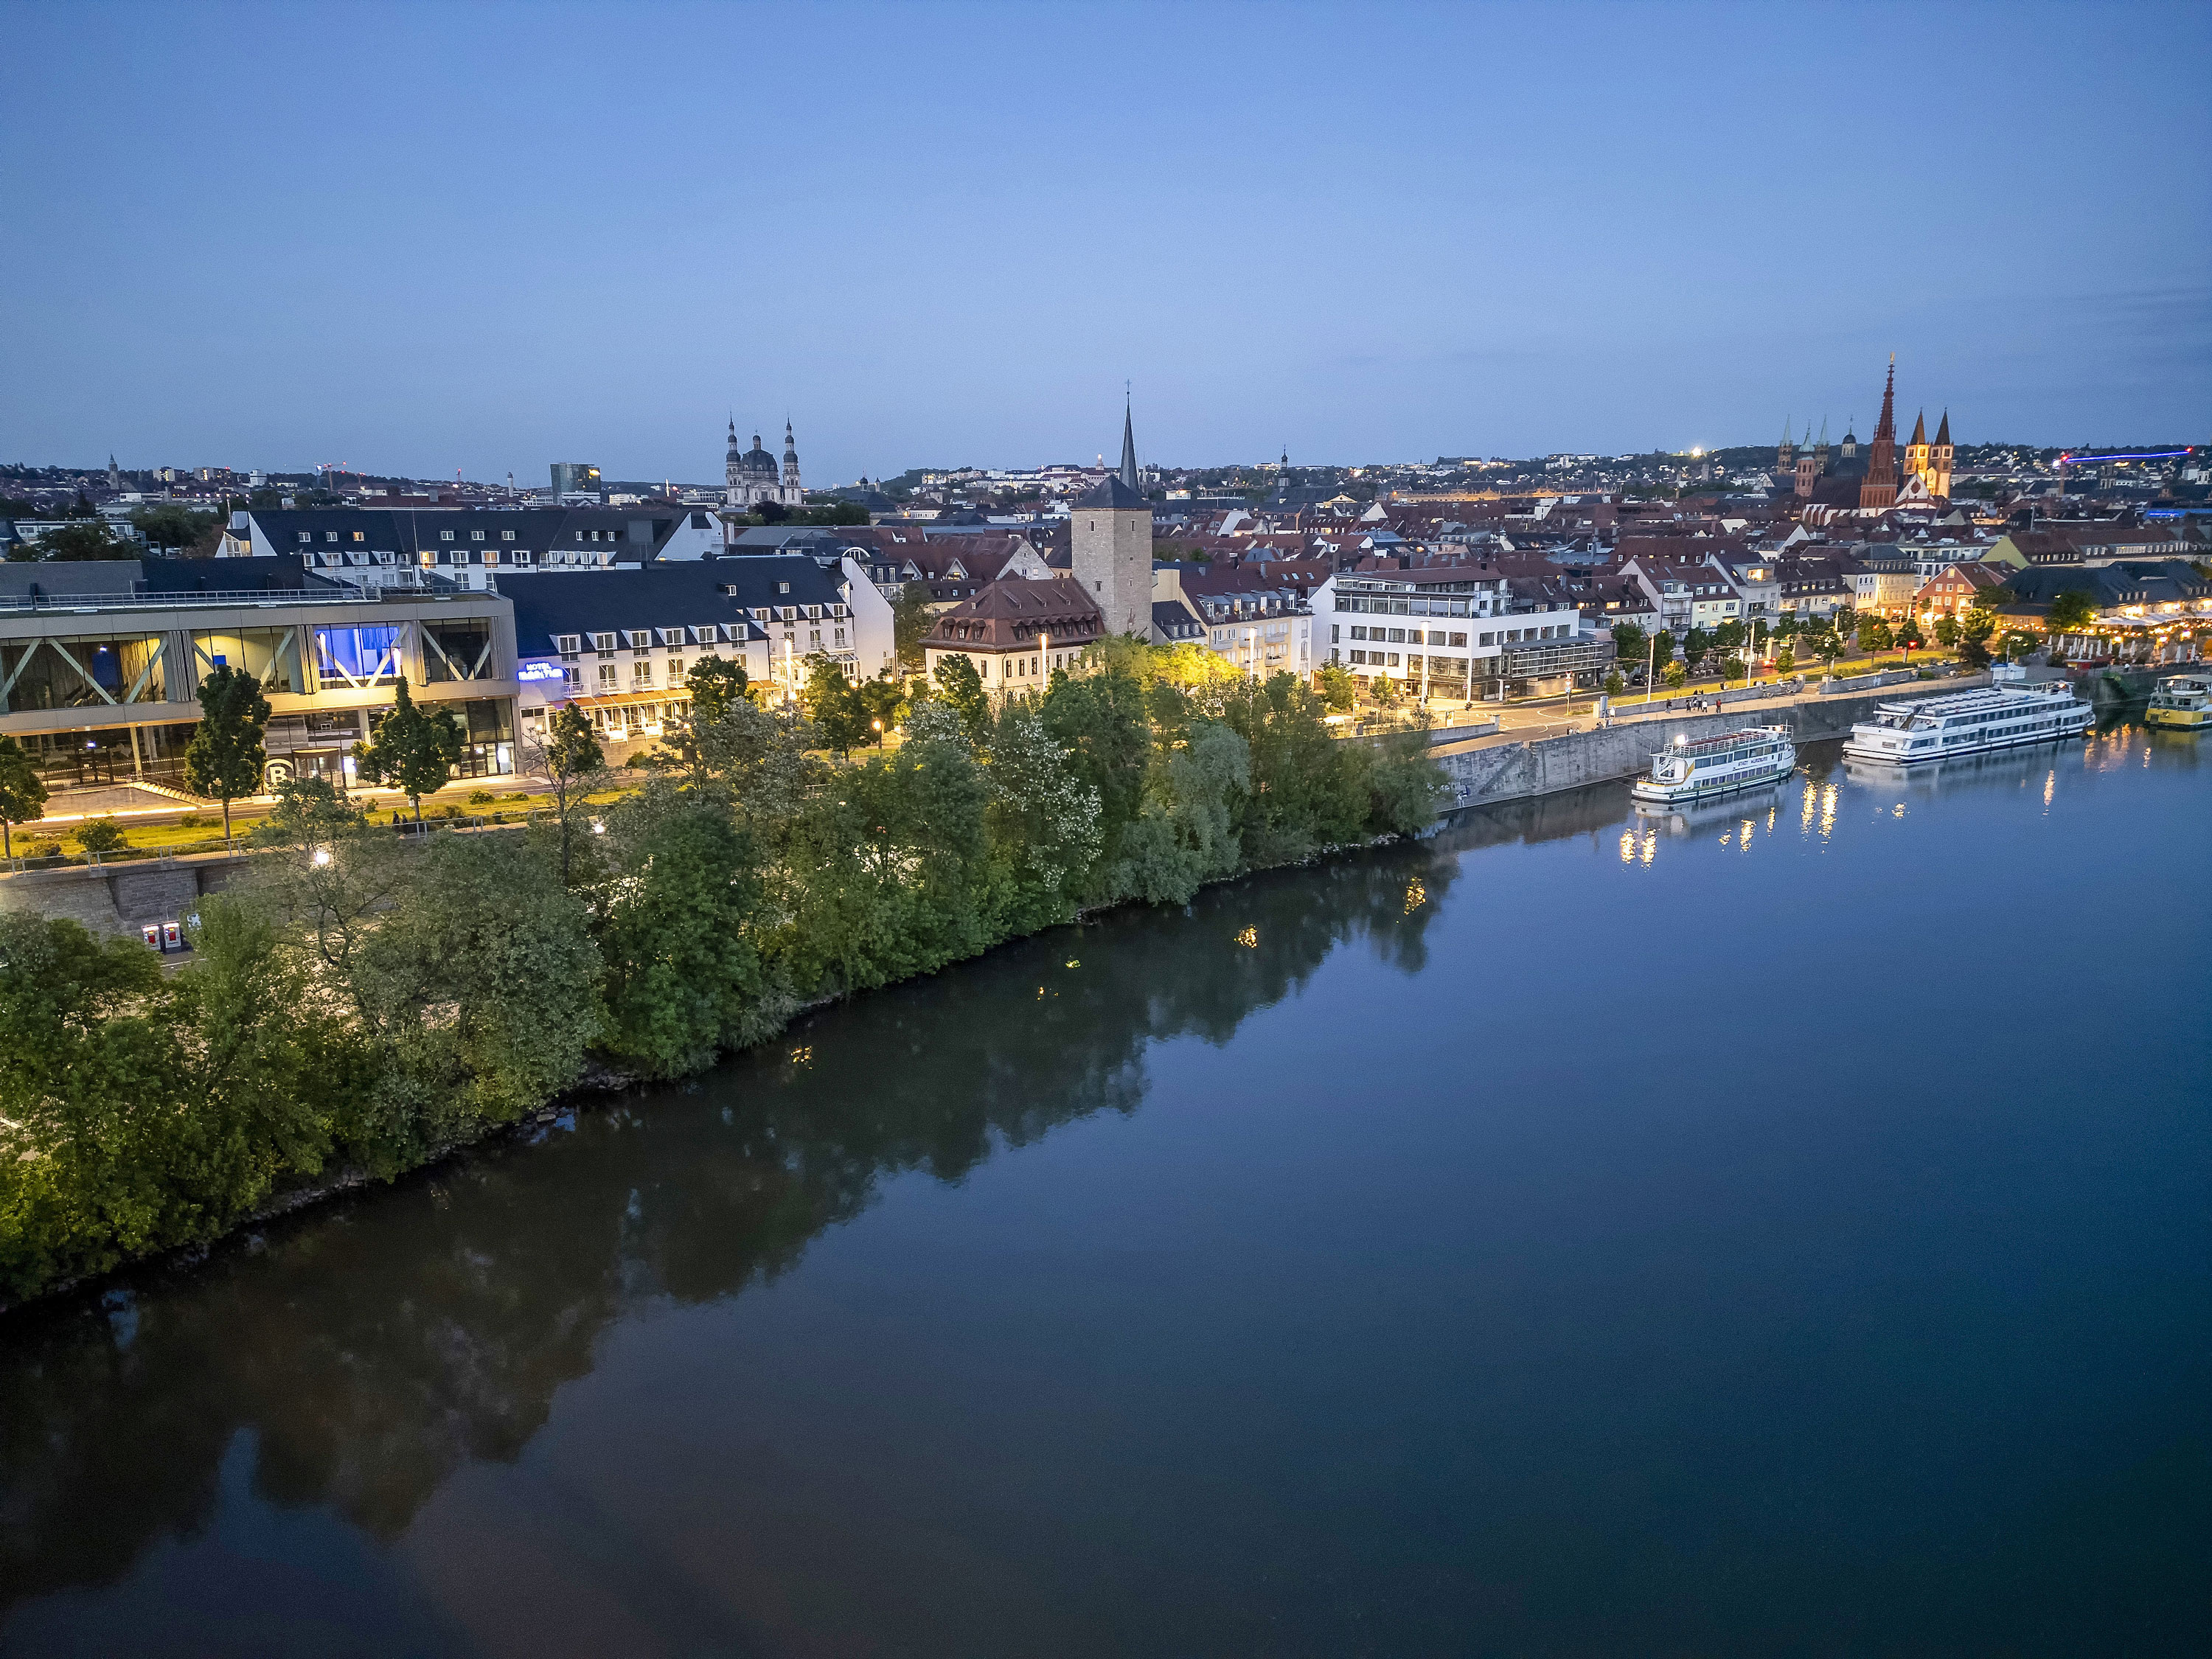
column 481, row 798
column 102, row 835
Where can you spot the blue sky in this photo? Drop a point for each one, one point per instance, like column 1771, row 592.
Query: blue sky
column 480, row 238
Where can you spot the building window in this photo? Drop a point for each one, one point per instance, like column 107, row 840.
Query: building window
column 640, row 674
column 568, row 645
column 603, row 644
column 306, row 535
column 445, row 535
column 1459, row 640
column 608, row 677
column 506, row 535
column 330, row 535
column 476, row 535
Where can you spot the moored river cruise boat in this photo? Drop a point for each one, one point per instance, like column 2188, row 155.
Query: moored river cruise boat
column 2183, row 702
column 1698, row 768
column 2002, row 716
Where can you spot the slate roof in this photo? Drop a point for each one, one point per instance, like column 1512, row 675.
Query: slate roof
column 550, row 603
column 1111, row 492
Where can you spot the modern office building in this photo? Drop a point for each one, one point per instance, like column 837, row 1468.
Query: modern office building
column 101, row 664
column 576, row 479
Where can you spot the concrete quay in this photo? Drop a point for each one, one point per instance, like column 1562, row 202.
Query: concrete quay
column 1489, row 768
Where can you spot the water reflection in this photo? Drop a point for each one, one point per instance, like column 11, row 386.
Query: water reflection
column 370, row 1351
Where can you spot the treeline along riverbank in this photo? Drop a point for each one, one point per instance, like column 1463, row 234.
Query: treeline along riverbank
column 358, row 1008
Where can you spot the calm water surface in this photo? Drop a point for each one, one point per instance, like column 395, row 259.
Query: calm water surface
column 1781, row 1231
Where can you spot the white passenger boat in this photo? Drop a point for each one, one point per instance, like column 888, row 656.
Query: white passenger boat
column 2001, row 716
column 1699, row 768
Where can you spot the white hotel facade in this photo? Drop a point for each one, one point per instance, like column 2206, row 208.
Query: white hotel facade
column 1454, row 631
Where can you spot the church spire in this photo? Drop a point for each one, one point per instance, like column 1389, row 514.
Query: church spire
column 1943, row 431
column 1920, row 428
column 1878, row 492
column 1128, row 448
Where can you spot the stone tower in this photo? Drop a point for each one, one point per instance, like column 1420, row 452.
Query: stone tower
column 790, row 458
column 1878, row 494
column 1110, row 550
column 1128, row 451
column 1939, row 460
column 1785, row 457
column 1916, row 452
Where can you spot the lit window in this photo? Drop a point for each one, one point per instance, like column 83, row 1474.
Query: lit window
column 359, row 536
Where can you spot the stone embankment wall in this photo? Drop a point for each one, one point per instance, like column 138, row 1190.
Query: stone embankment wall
column 120, row 898
column 1500, row 772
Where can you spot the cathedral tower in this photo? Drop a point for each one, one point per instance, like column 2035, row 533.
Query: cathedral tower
column 1939, row 462
column 1878, row 494
column 1915, row 453
column 1785, row 457
column 790, row 460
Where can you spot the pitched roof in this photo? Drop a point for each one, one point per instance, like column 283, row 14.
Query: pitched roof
column 550, row 603
column 1110, row 492
column 1009, row 613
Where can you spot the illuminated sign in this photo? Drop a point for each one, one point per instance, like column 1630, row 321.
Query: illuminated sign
column 540, row 670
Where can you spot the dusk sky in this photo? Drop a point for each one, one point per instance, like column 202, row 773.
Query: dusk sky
column 480, row 238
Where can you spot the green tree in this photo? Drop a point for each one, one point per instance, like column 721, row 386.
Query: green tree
column 1044, row 819
column 1628, row 639
column 1946, row 631
column 1976, row 626
column 1907, row 633
column 570, row 759
column 176, row 527
column 1098, row 720
column 883, row 701
column 911, row 621
column 1676, row 675
column 1614, row 685
column 961, row 689
column 1696, row 644
column 88, row 538
column 1728, row 637
column 1662, row 650
column 2073, row 611
column 225, row 757
column 1785, row 661
column 1339, row 689
column 412, row 749
column 1875, row 636
column 1386, row 689
column 677, row 933
column 22, row 792
column 834, row 705
column 714, row 684
column 1732, row 668
column 833, row 512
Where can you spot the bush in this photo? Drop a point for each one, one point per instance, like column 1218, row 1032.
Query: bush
column 190, row 821
column 481, row 798
column 102, row 835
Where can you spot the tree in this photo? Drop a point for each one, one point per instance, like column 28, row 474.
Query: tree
column 1386, row 689
column 1338, row 688
column 1695, row 644
column 1728, row 636
column 1628, row 642
column 1908, row 634
column 1675, row 675
column 87, row 539
column 1732, row 668
column 833, row 703
column 1785, row 661
column 770, row 511
column 961, row 687
column 1662, row 650
column 1977, row 625
column 1614, row 685
column 2073, row 611
column 1099, row 720
column 175, row 527
column 1946, row 631
column 911, row 621
column 22, row 792
column 1875, row 636
column 569, row 758
column 412, row 749
column 882, row 701
column 833, row 512
column 225, row 757
column 714, row 684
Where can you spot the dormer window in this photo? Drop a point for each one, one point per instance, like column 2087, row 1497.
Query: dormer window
column 445, row 535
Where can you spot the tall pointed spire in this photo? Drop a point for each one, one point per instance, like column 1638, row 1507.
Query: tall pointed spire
column 1878, row 493
column 1943, row 431
column 1128, row 448
column 1920, row 428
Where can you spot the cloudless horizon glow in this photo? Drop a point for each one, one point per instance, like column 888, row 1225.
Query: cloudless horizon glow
column 421, row 240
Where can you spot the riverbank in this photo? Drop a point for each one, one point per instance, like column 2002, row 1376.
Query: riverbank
column 1484, row 771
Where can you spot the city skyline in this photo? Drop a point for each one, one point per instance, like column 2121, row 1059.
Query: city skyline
column 467, row 242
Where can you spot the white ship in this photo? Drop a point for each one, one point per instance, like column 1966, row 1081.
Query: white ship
column 1699, row 768
column 2001, row 716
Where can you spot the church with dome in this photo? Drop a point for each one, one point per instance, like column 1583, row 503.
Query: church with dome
column 753, row 477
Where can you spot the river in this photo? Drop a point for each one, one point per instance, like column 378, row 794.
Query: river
column 1784, row 1231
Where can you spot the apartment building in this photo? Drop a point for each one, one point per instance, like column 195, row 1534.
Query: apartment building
column 1455, row 630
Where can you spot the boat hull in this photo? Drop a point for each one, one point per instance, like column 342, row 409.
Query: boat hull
column 1994, row 745
column 1648, row 794
column 2180, row 720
